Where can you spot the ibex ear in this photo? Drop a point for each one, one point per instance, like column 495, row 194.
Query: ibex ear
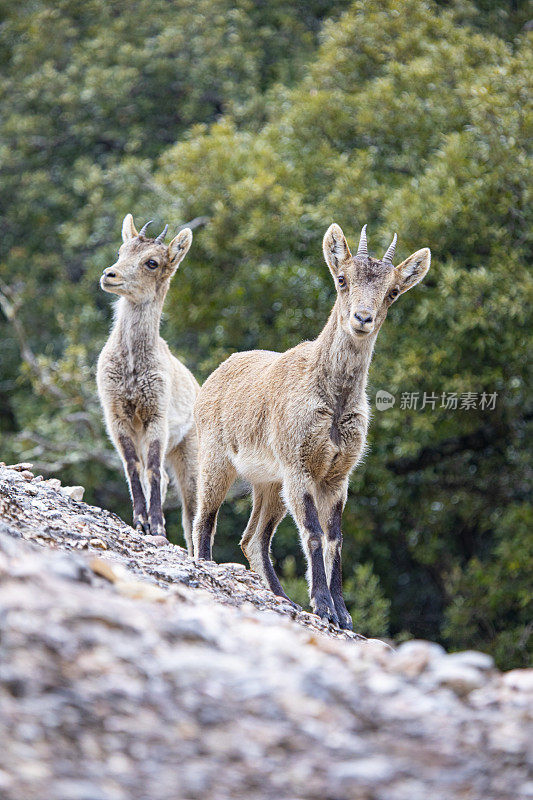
column 413, row 269
column 179, row 247
column 128, row 228
column 335, row 247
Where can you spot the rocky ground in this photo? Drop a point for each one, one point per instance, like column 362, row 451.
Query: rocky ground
column 130, row 672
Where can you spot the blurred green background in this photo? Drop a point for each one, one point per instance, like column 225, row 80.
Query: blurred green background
column 272, row 120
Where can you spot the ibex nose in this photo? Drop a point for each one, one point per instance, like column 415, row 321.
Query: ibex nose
column 364, row 316
column 109, row 273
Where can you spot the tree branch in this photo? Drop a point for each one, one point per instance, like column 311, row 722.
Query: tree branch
column 10, row 305
column 194, row 223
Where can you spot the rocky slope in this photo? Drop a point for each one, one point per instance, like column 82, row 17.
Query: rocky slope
column 130, row 672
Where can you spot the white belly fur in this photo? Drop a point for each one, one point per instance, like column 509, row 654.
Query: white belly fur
column 256, row 469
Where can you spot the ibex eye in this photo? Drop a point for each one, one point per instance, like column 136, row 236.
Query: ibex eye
column 395, row 293
column 151, row 263
column 341, row 280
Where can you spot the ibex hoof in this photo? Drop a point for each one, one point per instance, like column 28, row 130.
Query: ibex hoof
column 345, row 622
column 326, row 611
column 141, row 526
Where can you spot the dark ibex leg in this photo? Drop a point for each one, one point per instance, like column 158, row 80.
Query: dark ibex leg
column 214, row 480
column 132, row 464
column 269, row 573
column 334, row 546
column 303, row 508
column 204, row 534
column 157, row 521
column 321, row 600
column 183, row 460
column 270, row 510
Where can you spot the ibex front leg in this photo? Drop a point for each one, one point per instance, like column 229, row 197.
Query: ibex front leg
column 301, row 504
column 153, row 479
column 332, row 558
column 132, row 466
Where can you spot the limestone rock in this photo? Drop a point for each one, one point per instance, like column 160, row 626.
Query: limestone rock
column 130, row 671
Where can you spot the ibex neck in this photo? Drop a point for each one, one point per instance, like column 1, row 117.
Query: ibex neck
column 137, row 324
column 342, row 362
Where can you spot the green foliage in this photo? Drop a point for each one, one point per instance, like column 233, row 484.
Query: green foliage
column 273, row 120
column 492, row 598
column 366, row 602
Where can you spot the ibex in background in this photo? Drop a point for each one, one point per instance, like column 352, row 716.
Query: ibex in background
column 146, row 393
column 294, row 424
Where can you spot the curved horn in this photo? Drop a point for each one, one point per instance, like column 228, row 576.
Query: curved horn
column 161, row 238
column 362, row 250
column 142, row 232
column 389, row 255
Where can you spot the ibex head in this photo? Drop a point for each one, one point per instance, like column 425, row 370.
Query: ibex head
column 367, row 286
column 144, row 266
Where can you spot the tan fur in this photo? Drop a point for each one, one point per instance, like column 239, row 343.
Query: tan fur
column 147, row 394
column 294, row 425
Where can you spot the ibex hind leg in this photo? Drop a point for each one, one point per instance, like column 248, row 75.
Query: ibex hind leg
column 269, row 510
column 251, row 527
column 183, row 460
column 214, row 479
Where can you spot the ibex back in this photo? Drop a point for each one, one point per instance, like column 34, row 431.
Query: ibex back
column 294, row 424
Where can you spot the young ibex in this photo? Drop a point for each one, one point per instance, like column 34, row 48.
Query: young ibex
column 294, row 424
column 148, row 395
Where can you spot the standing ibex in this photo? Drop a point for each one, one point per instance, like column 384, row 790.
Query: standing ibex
column 147, row 394
column 294, row 424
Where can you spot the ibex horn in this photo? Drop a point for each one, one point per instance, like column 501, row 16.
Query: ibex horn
column 161, row 238
column 142, row 232
column 389, row 255
column 362, row 250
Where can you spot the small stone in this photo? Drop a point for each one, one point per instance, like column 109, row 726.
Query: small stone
column 472, row 658
column 26, row 474
column 53, row 483
column 155, row 541
column 98, row 543
column 460, row 678
column 141, row 590
column 521, row 680
column 104, row 568
column 22, row 467
column 375, row 650
column 74, row 492
column 382, row 683
column 413, row 657
column 366, row 770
